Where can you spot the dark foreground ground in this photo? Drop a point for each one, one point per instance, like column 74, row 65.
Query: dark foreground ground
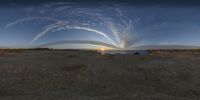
column 86, row 75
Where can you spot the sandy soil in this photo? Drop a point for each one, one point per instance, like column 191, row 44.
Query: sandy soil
column 86, row 75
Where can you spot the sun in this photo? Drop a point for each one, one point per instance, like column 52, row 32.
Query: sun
column 102, row 49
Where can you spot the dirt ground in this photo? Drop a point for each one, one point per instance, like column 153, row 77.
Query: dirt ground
column 87, row 75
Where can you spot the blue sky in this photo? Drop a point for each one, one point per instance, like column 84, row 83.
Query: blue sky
column 135, row 25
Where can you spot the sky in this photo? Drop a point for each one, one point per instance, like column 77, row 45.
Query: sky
column 93, row 24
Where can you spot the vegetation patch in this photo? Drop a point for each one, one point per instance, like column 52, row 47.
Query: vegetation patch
column 75, row 67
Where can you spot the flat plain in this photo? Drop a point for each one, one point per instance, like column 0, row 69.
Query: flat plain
column 87, row 75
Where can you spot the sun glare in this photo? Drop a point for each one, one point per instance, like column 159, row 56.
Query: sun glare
column 102, row 49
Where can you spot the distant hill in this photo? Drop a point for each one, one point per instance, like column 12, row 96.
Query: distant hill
column 1, row 47
column 149, row 47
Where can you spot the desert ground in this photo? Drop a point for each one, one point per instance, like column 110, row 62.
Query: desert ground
column 87, row 75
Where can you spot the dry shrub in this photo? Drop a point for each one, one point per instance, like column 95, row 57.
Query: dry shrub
column 75, row 67
column 72, row 56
